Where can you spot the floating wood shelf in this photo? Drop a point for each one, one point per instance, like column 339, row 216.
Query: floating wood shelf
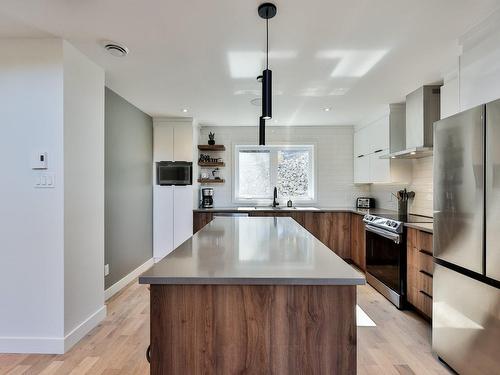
column 211, row 147
column 210, row 181
column 214, row 164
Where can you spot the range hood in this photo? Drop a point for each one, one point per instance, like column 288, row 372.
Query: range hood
column 422, row 110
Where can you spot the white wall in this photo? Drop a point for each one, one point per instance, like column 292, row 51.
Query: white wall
column 31, row 220
column 33, row 236
column 83, row 188
column 334, row 158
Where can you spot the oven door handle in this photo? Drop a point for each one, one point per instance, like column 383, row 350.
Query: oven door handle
column 396, row 238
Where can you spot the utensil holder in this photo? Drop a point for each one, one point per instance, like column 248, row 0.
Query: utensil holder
column 402, row 207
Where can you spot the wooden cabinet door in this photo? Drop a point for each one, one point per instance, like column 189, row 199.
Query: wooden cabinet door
column 419, row 268
column 412, row 267
column 358, row 250
column 331, row 228
column 200, row 219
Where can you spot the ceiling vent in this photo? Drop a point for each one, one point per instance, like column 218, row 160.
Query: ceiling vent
column 116, row 49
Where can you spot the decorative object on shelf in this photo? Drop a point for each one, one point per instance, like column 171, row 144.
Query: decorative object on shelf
column 216, row 174
column 204, row 175
column 207, row 159
column 211, row 139
column 289, row 203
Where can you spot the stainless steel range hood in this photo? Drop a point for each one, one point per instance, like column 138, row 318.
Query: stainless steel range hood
column 422, row 110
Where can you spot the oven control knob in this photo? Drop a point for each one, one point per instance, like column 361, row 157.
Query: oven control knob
column 394, row 225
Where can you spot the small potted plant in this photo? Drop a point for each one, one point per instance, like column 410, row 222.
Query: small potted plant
column 211, row 138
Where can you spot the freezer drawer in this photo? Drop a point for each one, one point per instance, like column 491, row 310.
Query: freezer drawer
column 459, row 189
column 493, row 190
column 466, row 322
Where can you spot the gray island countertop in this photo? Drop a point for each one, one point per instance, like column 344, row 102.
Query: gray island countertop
column 252, row 250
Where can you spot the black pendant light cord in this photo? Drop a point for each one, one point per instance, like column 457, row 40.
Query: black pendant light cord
column 267, row 43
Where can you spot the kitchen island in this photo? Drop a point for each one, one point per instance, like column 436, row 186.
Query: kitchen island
column 253, row 295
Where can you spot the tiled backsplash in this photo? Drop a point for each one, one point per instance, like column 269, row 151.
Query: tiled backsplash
column 421, row 184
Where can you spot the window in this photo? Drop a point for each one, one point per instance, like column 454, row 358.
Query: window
column 258, row 169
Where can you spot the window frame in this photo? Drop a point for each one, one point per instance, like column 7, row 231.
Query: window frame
column 274, row 148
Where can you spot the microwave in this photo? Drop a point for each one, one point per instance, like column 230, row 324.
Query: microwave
column 174, row 173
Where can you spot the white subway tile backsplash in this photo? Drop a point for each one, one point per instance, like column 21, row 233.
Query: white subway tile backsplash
column 421, row 184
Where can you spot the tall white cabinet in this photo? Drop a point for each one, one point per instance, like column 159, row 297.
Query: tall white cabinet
column 374, row 141
column 172, row 205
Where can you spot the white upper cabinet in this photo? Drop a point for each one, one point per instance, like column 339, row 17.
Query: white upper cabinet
column 173, row 140
column 379, row 135
column 183, row 143
column 374, row 142
column 163, row 142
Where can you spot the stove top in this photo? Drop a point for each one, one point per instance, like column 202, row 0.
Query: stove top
column 394, row 222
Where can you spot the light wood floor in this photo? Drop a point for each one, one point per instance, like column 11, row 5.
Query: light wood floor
column 399, row 344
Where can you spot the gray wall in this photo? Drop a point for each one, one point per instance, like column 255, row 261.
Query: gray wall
column 128, row 187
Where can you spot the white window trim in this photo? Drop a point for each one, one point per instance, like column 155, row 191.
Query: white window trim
column 268, row 201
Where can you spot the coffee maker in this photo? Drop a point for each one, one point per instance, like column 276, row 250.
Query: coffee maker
column 207, row 198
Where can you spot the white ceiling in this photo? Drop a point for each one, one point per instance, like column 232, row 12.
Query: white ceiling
column 200, row 54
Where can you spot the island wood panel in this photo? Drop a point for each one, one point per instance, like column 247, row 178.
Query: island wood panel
column 253, row 329
column 419, row 270
column 200, row 219
column 331, row 228
column 358, row 249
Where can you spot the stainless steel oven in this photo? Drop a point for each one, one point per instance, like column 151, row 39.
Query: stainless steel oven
column 386, row 262
column 174, row 173
column 386, row 254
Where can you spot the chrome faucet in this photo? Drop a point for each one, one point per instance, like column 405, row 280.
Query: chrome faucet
column 275, row 203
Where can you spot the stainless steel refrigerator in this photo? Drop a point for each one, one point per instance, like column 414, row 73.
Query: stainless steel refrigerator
column 466, row 282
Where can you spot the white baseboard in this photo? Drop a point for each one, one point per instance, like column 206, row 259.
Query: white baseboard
column 119, row 285
column 52, row 345
column 83, row 328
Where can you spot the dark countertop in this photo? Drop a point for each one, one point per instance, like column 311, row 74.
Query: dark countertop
column 425, row 227
column 243, row 209
column 253, row 251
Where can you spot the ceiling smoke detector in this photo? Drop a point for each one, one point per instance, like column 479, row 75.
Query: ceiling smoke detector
column 116, row 49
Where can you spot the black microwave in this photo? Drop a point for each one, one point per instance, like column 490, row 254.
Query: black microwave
column 174, row 173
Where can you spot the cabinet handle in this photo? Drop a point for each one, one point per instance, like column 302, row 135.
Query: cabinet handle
column 379, row 151
column 426, row 252
column 148, row 353
column 426, row 273
column 360, row 156
column 425, row 294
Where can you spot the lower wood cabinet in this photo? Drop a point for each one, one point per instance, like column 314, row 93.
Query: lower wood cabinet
column 200, row 219
column 358, row 251
column 419, row 270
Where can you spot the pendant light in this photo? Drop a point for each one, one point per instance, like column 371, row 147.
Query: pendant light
column 267, row 11
column 262, row 131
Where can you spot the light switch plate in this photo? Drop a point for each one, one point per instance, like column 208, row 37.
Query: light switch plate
column 45, row 180
column 106, row 269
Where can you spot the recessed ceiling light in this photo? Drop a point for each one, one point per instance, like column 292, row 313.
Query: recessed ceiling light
column 256, row 102
column 116, row 49
column 393, row 157
column 413, row 153
column 184, row 110
column 327, row 109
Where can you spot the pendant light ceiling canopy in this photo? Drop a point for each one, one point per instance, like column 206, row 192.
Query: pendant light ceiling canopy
column 266, row 11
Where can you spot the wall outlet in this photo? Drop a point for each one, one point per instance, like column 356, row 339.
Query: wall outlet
column 106, row 269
